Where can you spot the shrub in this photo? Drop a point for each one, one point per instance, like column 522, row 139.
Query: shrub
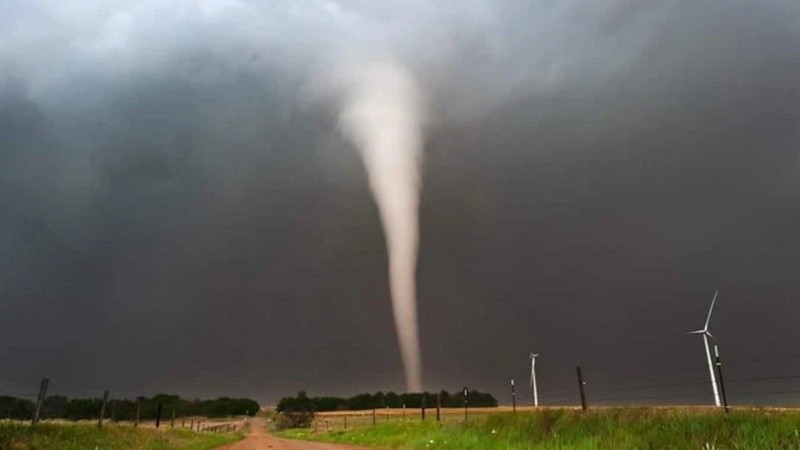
column 286, row 420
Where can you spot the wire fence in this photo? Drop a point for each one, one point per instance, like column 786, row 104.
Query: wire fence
column 343, row 420
column 35, row 397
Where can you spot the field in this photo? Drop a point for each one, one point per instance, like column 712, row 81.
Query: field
column 341, row 420
column 610, row 428
column 82, row 436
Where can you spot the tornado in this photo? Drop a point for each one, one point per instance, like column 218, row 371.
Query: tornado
column 382, row 115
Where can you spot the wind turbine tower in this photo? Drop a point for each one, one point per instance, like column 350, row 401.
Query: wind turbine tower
column 534, row 388
column 707, row 334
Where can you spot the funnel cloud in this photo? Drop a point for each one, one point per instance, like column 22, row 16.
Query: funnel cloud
column 382, row 116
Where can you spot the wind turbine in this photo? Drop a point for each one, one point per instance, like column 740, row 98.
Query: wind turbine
column 707, row 334
column 533, row 379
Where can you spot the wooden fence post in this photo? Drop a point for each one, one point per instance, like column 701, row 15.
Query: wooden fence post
column 581, row 384
column 158, row 414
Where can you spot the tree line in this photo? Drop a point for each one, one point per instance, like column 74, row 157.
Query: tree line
column 61, row 407
column 303, row 403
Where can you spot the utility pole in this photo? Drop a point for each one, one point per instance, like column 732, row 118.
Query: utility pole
column 102, row 409
column 40, row 400
column 465, row 404
column 513, row 397
column 581, row 383
column 721, row 382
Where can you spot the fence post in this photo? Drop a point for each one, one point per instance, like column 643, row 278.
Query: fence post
column 183, row 421
column 345, row 421
column 102, row 409
column 581, row 383
column 40, row 400
column 158, row 415
column 423, row 406
column 373, row 417
column 191, row 424
column 438, row 405
column 172, row 422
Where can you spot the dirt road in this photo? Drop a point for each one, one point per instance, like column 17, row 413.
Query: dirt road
column 258, row 439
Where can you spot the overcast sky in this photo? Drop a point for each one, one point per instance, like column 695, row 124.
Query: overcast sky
column 179, row 213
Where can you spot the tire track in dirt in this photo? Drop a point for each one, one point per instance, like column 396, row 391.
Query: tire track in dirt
column 259, row 439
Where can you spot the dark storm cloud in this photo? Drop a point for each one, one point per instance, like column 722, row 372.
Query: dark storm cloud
column 178, row 215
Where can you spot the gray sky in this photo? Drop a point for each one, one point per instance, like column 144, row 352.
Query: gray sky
column 179, row 213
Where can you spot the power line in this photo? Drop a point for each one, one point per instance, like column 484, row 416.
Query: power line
column 656, row 386
column 780, row 377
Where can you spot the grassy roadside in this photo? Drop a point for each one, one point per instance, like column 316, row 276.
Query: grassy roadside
column 612, row 429
column 49, row 436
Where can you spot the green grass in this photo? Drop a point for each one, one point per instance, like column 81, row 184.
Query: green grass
column 606, row 429
column 68, row 436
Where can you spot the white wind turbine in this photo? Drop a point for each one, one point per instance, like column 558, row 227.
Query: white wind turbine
column 707, row 334
column 533, row 379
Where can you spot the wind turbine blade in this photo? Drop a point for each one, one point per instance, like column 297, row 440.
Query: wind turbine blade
column 708, row 333
column 711, row 309
column 696, row 332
